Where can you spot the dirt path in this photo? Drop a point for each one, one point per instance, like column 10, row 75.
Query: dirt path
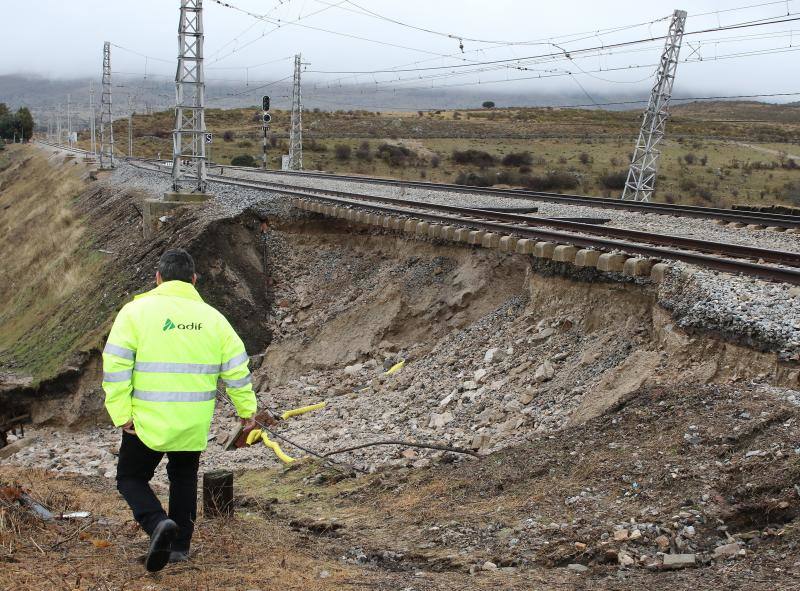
column 764, row 150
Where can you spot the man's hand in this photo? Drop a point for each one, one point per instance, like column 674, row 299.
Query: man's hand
column 129, row 428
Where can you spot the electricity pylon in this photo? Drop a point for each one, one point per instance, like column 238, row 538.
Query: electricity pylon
column 106, row 121
column 189, row 134
column 644, row 164
column 296, row 130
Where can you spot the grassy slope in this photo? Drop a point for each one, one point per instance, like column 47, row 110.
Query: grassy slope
column 557, row 138
column 50, row 274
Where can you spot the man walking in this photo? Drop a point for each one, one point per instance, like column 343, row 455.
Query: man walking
column 161, row 363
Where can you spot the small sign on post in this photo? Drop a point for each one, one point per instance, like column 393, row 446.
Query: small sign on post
column 208, row 138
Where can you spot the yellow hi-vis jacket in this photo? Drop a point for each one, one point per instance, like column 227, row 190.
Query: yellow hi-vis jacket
column 161, row 364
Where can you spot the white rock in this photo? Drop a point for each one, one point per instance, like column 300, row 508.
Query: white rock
column 352, row 370
column 470, row 385
column 494, row 355
column 480, row 375
column 440, row 420
column 544, row 372
column 489, row 566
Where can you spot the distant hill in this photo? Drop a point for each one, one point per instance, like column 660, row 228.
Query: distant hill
column 740, row 111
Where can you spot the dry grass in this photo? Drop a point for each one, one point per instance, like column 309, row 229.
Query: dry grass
column 47, row 260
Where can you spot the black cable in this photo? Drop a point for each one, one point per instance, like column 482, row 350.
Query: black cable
column 455, row 450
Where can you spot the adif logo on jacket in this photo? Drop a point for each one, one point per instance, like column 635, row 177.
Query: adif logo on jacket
column 169, row 325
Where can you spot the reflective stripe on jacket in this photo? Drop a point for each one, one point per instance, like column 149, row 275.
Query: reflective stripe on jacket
column 164, row 355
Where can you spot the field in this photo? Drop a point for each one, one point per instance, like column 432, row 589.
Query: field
column 716, row 154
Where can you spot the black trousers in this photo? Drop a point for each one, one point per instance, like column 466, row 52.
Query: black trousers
column 137, row 464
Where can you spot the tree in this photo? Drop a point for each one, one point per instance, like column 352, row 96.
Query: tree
column 488, row 104
column 25, row 122
column 3, row 110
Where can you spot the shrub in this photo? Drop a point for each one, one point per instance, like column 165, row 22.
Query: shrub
column 517, row 159
column 363, row 152
column 342, row 152
column 507, row 178
column 315, row 146
column 525, row 169
column 476, row 157
column 435, row 161
column 243, row 160
column 704, row 160
column 394, row 155
column 552, row 181
column 474, row 179
column 488, row 104
column 614, row 180
column 689, row 158
column 584, row 158
column 228, row 136
column 245, row 144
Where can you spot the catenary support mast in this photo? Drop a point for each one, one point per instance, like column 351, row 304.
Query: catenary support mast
column 644, row 164
column 106, row 121
column 296, row 131
column 188, row 138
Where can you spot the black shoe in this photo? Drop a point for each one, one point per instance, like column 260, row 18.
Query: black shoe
column 160, row 545
column 179, row 556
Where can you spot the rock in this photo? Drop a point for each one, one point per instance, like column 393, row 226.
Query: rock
column 663, row 543
column 511, row 424
column 409, row 454
column 353, row 370
column 370, row 364
column 446, row 400
column 480, row 375
column 480, row 441
column 440, row 420
column 624, row 559
column 726, row 551
column 580, row 546
column 494, row 355
column 469, row 385
column 675, row 561
column 544, row 372
column 526, row 397
column 560, row 356
column 578, row 568
column 543, row 334
column 620, row 535
column 489, row 566
column 635, row 535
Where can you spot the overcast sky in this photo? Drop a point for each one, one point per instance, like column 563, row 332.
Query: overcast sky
column 57, row 38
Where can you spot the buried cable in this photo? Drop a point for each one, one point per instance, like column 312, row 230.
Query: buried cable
column 455, row 450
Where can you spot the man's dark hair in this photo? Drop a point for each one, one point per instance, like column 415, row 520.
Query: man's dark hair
column 176, row 265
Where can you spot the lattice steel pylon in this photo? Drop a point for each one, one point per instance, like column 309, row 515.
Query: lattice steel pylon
column 644, row 165
column 106, row 121
column 188, row 137
column 296, row 131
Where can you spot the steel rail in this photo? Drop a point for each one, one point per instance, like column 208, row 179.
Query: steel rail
column 723, row 248
column 694, row 211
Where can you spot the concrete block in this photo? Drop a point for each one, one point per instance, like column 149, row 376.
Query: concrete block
column 490, row 240
column 352, row 214
column 794, row 230
column 611, row 262
column 375, row 219
column 736, row 225
column 434, row 231
column 587, row 257
column 659, row 272
column 461, row 235
column 524, row 246
column 386, row 221
column 476, row 237
column 448, row 232
column 755, row 227
column 544, row 250
column 508, row 243
column 422, row 228
column 776, row 229
column 564, row 253
column 396, row 223
column 637, row 267
column 410, row 226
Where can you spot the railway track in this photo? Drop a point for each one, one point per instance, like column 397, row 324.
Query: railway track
column 782, row 221
column 720, row 256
